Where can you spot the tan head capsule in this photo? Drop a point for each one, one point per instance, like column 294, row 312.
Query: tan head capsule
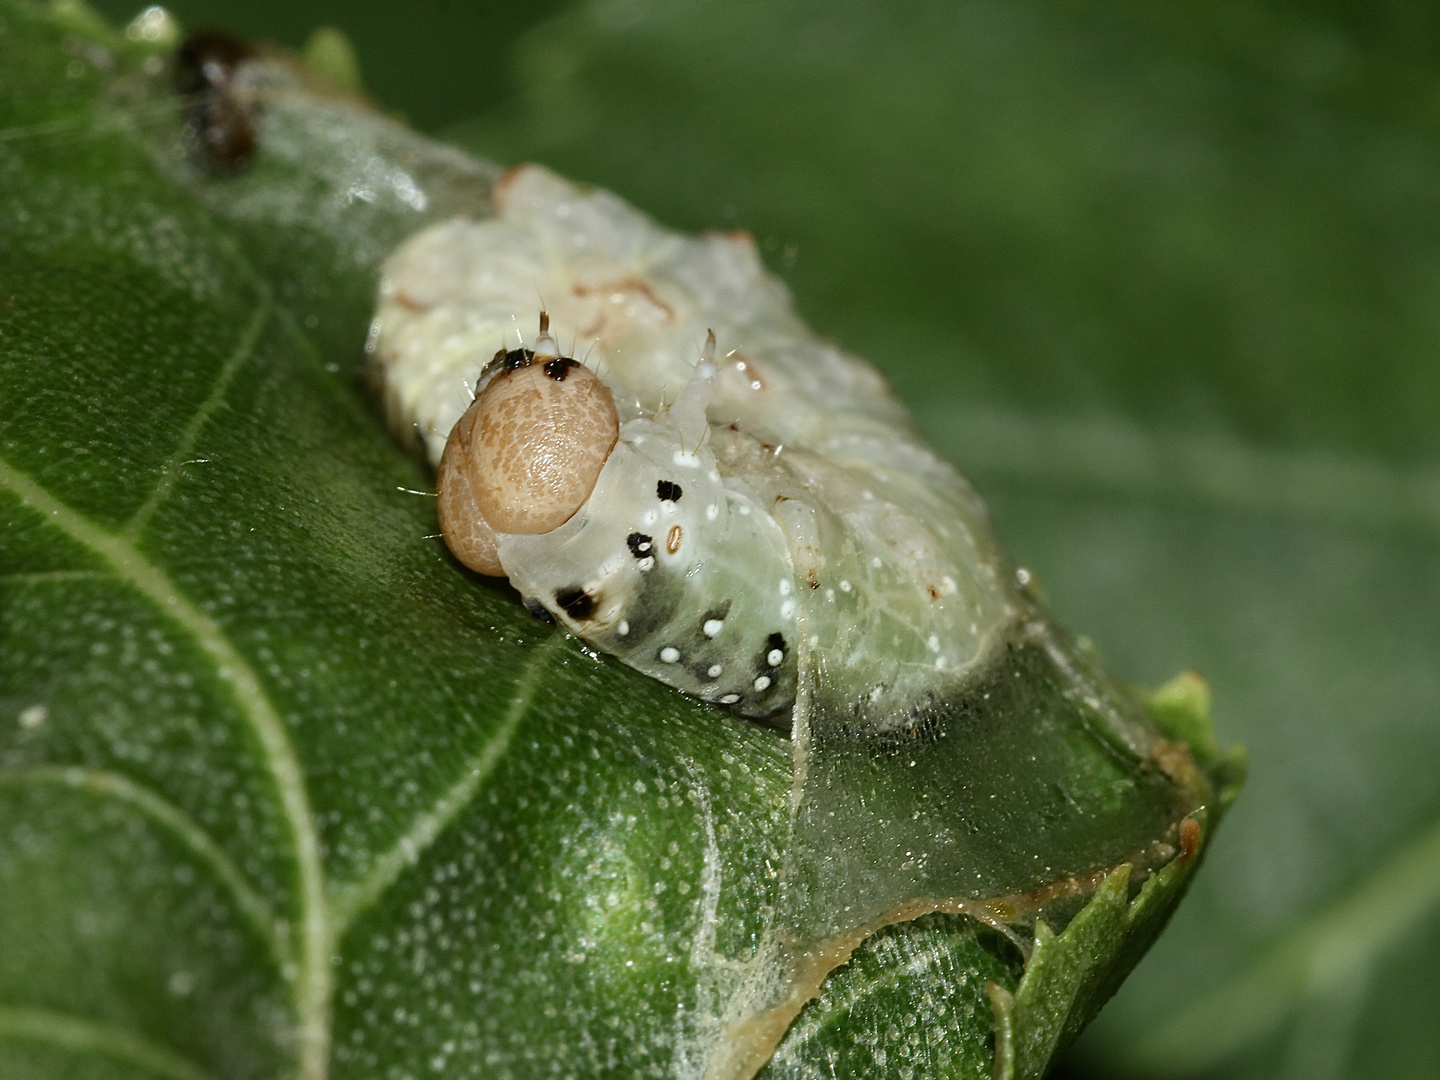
column 526, row 454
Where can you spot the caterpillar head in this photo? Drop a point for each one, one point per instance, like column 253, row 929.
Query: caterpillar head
column 525, row 456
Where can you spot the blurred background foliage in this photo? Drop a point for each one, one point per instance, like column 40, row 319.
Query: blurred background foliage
column 1161, row 278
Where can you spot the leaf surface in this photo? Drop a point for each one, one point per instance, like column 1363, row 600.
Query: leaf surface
column 284, row 792
column 1160, row 279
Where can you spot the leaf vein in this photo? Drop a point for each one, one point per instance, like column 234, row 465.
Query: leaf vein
column 77, row 1033
column 161, row 810
column 313, row 982
column 179, row 457
column 351, row 900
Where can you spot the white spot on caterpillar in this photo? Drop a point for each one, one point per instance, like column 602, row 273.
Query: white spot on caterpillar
column 933, row 643
column 762, row 683
column 714, row 671
column 785, row 587
column 623, row 628
column 686, row 459
column 669, row 654
column 646, row 564
column 787, row 609
column 729, row 699
column 845, row 586
column 712, row 512
column 713, row 627
column 774, row 658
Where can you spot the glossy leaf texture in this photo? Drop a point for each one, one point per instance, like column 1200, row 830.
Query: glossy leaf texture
column 1161, row 279
column 283, row 792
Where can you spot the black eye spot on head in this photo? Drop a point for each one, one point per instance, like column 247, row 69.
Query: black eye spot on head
column 641, row 546
column 537, row 609
column 559, row 368
column 576, row 602
column 668, row 491
column 518, row 358
column 217, row 119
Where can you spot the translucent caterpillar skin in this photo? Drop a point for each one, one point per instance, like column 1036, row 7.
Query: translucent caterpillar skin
column 767, row 522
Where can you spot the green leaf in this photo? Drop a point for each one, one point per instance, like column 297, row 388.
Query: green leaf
column 286, row 793
column 1160, row 278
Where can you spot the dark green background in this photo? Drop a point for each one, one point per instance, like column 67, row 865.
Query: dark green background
column 1163, row 280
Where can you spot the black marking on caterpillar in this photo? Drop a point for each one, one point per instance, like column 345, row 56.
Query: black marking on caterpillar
column 558, row 369
column 578, row 603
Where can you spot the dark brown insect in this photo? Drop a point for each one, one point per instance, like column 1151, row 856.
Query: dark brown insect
column 220, row 120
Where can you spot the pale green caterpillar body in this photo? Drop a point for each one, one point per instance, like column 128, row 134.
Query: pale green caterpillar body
column 766, row 523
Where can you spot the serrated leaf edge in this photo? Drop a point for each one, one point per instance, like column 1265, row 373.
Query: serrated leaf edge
column 1034, row 1023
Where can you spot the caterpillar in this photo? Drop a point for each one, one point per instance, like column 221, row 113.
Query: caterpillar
column 703, row 487
column 697, row 483
column 730, row 523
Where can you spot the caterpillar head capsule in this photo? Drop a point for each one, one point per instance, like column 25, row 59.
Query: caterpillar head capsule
column 525, row 456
